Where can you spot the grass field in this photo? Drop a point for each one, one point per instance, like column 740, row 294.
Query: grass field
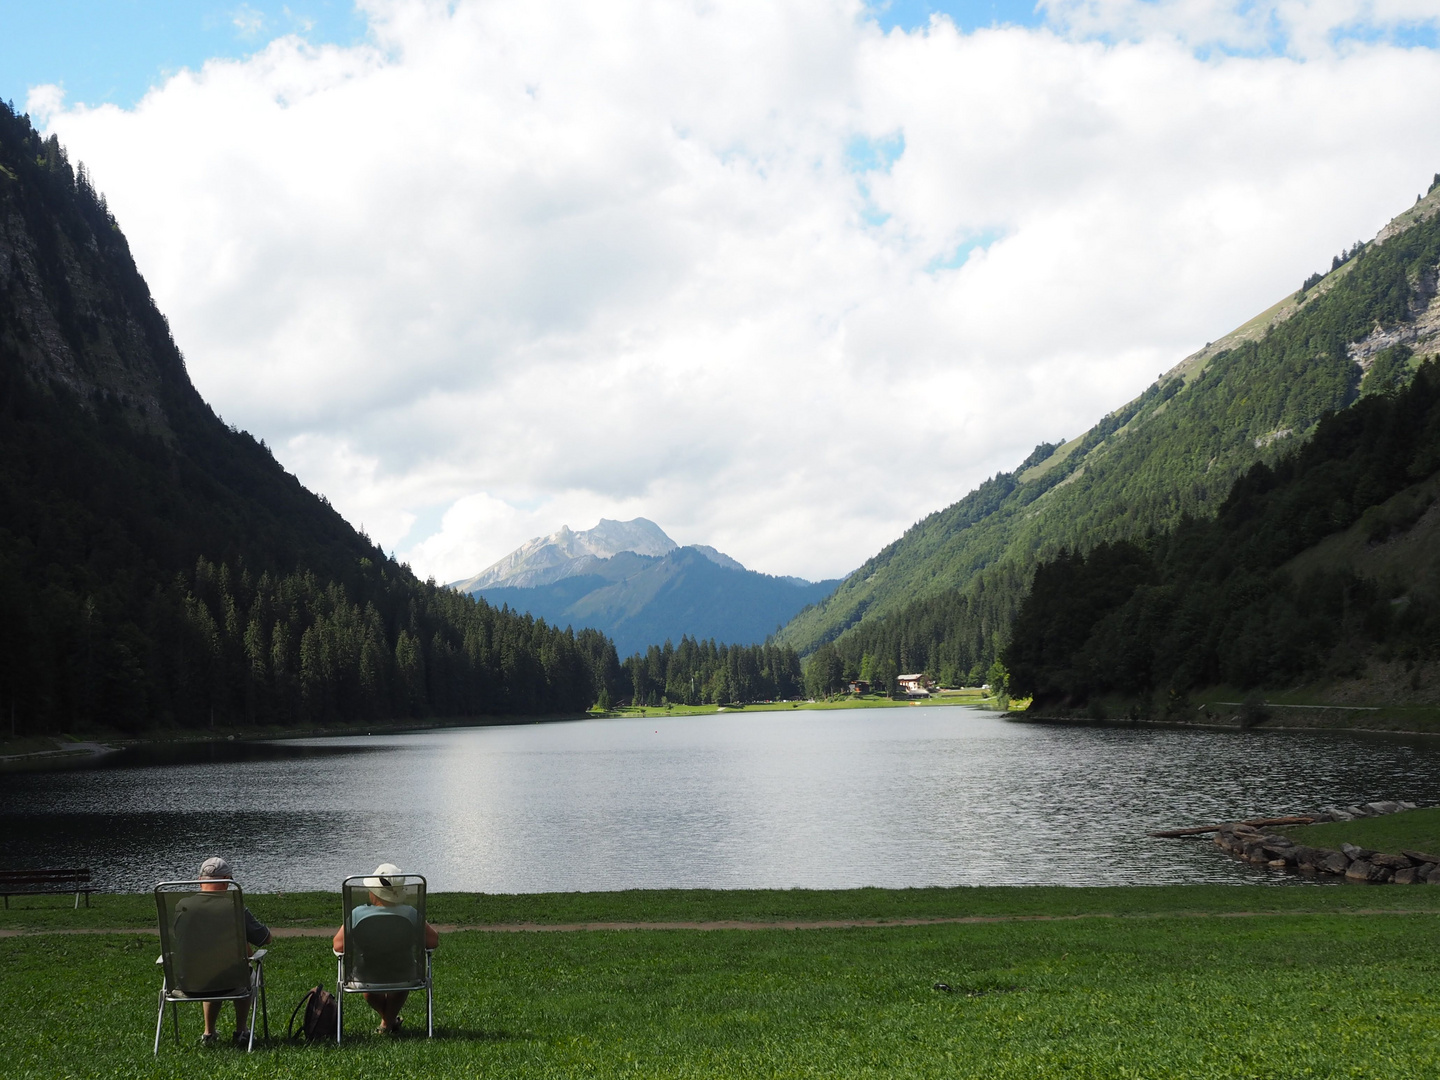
column 1273, row 982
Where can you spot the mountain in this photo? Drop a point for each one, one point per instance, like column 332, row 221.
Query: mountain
column 1323, row 570
column 631, row 582
column 547, row 559
column 942, row 597
column 160, row 568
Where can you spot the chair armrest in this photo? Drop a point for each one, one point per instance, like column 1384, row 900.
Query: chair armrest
column 159, row 960
column 257, row 956
column 337, row 952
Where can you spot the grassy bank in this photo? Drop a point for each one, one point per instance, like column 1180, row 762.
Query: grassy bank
column 1416, row 830
column 969, row 696
column 1272, row 995
column 309, row 909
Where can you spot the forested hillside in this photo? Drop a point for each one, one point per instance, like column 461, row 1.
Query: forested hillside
column 160, row 568
column 1225, row 600
column 942, row 598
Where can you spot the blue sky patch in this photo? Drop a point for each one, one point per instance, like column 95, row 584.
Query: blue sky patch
column 113, row 52
column 965, row 14
column 963, row 250
column 865, row 154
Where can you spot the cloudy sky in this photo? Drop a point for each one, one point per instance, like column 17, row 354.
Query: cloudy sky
column 783, row 276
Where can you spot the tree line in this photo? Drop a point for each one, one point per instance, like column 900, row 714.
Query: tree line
column 701, row 672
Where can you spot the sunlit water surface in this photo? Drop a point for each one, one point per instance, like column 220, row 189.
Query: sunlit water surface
column 892, row 797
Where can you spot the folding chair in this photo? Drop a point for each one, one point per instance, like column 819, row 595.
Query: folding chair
column 384, row 943
column 203, row 952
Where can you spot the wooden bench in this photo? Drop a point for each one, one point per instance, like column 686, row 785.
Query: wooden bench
column 38, row 882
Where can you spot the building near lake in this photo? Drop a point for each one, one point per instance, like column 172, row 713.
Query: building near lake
column 917, row 685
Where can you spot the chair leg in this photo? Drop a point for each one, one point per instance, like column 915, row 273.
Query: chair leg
column 254, row 1002
column 264, row 1007
column 160, row 1021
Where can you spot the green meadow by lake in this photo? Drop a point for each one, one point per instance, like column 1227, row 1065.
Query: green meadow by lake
column 1171, row 981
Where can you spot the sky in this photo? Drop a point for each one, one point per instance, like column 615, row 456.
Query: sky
column 783, row 276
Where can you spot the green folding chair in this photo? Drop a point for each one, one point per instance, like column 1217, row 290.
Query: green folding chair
column 384, row 944
column 204, row 954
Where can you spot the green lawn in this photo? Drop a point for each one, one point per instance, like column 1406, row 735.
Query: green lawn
column 321, row 909
column 1331, row 994
column 1418, row 830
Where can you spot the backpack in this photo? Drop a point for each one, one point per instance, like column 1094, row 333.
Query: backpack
column 318, row 1023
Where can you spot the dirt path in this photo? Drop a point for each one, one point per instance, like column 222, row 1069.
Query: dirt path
column 735, row 924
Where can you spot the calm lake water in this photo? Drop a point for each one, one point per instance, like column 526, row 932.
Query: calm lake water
column 889, row 797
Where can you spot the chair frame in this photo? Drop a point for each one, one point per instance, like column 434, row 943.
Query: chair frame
column 426, row 983
column 254, row 992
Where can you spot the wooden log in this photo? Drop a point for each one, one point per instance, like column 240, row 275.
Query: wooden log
column 1172, row 834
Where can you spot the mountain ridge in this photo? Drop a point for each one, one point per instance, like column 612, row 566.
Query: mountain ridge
column 643, row 599
column 158, row 567
column 1171, row 452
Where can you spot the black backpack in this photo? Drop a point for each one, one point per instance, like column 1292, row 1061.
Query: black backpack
column 318, row 1023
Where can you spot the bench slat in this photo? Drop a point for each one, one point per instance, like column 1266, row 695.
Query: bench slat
column 43, row 877
column 50, row 880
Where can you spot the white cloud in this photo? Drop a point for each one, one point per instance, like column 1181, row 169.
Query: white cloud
column 508, row 266
column 248, row 21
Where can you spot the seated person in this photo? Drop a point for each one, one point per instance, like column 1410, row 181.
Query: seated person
column 205, row 916
column 386, row 899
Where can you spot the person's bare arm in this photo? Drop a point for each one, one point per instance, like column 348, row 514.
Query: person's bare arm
column 338, row 942
column 432, row 937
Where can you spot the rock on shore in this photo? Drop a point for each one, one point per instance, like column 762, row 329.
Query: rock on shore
column 1351, row 862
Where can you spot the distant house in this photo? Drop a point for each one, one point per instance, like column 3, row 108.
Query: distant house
column 917, row 685
column 859, row 686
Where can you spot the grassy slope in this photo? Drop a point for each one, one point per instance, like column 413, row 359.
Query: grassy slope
column 1166, row 461
column 1259, row 996
column 1408, row 561
column 1417, row 830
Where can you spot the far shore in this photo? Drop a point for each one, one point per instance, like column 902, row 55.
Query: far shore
column 70, row 748
column 1218, row 715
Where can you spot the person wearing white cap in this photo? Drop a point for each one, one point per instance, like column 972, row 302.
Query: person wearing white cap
column 215, row 876
column 387, row 895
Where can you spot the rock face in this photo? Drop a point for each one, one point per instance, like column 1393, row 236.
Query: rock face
column 1354, row 863
column 547, row 559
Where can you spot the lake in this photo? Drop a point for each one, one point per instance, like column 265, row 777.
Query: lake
column 887, row 797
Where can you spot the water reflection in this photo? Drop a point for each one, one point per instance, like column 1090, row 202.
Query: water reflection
column 827, row 800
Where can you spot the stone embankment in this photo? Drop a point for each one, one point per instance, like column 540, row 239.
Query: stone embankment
column 1352, row 863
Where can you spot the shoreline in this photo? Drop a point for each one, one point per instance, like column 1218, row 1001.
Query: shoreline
column 70, row 749
column 1212, row 725
column 93, row 746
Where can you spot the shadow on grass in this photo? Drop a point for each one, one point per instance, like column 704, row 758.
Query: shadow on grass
column 442, row 1035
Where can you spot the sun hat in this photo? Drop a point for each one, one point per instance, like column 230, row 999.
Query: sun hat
column 215, row 867
column 388, row 884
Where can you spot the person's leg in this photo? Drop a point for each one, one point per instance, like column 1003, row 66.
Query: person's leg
column 388, row 1006
column 242, row 1013
column 211, row 1009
